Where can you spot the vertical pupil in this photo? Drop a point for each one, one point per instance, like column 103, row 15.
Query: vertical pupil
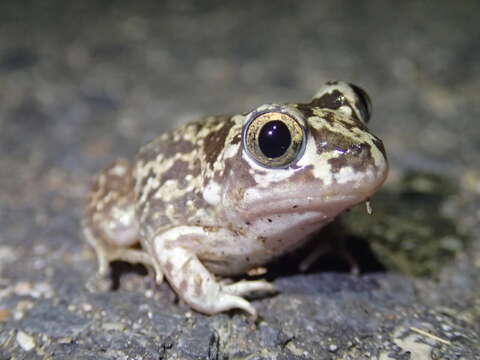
column 274, row 139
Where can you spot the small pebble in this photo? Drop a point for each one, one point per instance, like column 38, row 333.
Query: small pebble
column 332, row 348
column 87, row 307
column 115, row 326
column 446, row 327
column 25, row 341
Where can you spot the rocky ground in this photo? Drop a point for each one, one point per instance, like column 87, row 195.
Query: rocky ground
column 82, row 83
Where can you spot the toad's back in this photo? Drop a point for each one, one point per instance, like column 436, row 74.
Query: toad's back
column 174, row 171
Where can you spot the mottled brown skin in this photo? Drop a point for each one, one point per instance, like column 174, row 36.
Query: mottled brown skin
column 110, row 225
column 198, row 203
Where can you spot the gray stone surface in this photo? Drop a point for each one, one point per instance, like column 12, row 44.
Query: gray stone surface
column 82, row 83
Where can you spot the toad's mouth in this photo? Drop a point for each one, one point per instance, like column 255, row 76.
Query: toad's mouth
column 327, row 203
column 325, row 206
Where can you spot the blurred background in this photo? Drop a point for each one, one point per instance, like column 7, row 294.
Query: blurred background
column 85, row 82
column 107, row 76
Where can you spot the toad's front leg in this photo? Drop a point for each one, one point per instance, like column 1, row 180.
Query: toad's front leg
column 191, row 279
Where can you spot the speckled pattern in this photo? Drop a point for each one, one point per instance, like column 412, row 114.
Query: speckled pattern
column 84, row 83
column 195, row 198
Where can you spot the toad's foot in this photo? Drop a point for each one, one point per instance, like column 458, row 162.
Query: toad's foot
column 107, row 253
column 197, row 286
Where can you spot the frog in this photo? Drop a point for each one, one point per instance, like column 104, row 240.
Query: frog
column 221, row 196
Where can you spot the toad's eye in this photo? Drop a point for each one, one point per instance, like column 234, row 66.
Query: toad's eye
column 273, row 139
column 364, row 104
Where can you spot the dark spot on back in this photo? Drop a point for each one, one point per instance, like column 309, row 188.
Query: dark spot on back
column 215, row 140
column 182, row 146
column 178, row 171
